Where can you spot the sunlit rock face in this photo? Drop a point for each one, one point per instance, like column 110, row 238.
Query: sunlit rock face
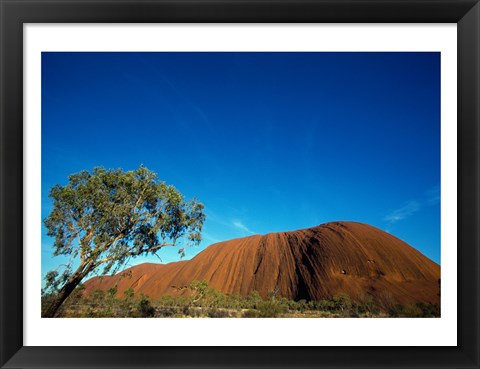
column 312, row 264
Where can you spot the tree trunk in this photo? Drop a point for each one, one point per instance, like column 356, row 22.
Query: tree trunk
column 66, row 290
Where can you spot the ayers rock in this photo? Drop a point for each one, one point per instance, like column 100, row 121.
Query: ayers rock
column 313, row 264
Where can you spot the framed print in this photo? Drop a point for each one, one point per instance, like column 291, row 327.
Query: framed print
column 306, row 171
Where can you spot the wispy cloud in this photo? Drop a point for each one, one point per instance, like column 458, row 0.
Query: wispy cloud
column 242, row 227
column 210, row 238
column 405, row 211
column 431, row 197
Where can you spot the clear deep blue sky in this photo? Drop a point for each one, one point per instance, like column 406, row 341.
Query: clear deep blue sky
column 267, row 141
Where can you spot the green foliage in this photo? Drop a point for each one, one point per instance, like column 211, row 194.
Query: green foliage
column 302, row 305
column 418, row 310
column 51, row 282
column 112, row 302
column 204, row 301
column 252, row 300
column 72, row 303
column 341, row 302
column 200, row 290
column 47, row 299
column 106, row 217
column 271, row 309
column 98, row 296
column 129, row 294
column 144, row 307
column 428, row 310
column 396, row 310
column 128, row 302
column 112, row 293
column 366, row 305
column 325, row 305
column 203, row 295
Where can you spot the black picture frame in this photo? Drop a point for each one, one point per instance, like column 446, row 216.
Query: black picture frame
column 15, row 13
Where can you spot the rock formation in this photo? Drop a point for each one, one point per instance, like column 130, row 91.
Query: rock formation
column 312, row 264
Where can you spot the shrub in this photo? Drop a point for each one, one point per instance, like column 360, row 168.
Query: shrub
column 252, row 301
column 271, row 309
column 396, row 310
column 367, row 305
column 342, row 302
column 302, row 305
column 127, row 305
column 98, row 297
column 129, row 294
column 216, row 313
column 326, row 305
column 429, row 310
column 144, row 307
column 422, row 310
column 251, row 314
column 312, row 305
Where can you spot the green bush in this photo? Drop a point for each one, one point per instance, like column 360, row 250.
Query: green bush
column 342, row 302
column 271, row 309
column 366, row 305
column 204, row 301
column 144, row 307
column 428, row 310
column 302, row 305
column 98, row 297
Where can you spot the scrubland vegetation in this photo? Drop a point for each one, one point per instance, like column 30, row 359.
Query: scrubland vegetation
column 205, row 302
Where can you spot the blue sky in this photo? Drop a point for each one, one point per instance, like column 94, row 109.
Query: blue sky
column 267, row 141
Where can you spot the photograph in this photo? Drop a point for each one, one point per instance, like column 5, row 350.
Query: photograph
column 240, row 184
column 224, row 184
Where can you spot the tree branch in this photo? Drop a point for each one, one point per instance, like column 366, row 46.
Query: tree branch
column 138, row 200
column 133, row 253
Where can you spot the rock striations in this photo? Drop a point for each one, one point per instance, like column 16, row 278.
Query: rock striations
column 312, row 264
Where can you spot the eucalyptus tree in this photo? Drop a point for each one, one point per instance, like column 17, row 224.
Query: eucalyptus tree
column 101, row 219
